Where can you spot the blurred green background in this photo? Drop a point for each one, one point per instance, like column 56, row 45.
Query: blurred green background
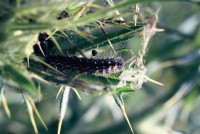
column 172, row 58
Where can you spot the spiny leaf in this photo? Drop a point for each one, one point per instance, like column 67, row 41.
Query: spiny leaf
column 17, row 76
column 105, row 12
column 122, row 34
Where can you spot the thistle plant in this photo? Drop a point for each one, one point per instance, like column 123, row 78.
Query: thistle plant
column 77, row 46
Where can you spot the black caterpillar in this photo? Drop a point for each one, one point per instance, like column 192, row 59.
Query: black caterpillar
column 73, row 63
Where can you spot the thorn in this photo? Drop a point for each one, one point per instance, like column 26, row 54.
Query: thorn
column 77, row 93
column 125, row 115
column 4, row 103
column 36, row 111
column 154, row 81
column 63, row 107
column 38, row 77
column 28, row 61
column 119, row 101
column 104, row 32
column 30, row 112
column 61, row 88
column 136, row 12
column 159, row 30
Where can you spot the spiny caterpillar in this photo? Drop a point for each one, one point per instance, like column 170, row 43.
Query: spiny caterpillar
column 74, row 63
column 105, row 66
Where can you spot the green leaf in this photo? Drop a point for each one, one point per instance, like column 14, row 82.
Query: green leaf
column 124, row 89
column 122, row 34
column 18, row 77
column 105, row 12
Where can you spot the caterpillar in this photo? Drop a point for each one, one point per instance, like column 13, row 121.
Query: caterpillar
column 74, row 63
column 89, row 66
